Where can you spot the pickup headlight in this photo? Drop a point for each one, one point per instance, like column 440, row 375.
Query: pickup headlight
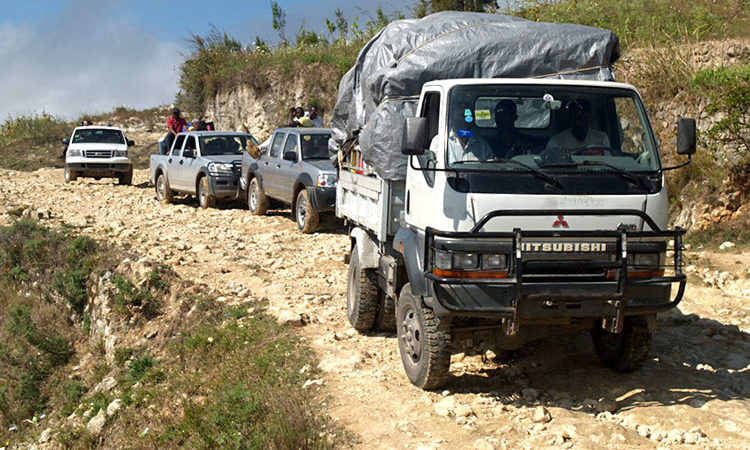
column 120, row 154
column 74, row 153
column 327, row 180
column 217, row 168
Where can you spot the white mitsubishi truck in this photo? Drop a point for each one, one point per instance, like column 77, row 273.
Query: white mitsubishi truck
column 503, row 231
column 98, row 152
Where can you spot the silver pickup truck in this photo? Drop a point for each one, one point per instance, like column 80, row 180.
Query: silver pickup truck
column 201, row 163
column 295, row 169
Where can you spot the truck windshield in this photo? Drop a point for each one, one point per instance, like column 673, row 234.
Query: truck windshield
column 226, row 145
column 315, row 146
column 554, row 129
column 98, row 136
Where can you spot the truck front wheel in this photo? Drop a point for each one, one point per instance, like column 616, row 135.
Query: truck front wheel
column 424, row 349
column 163, row 193
column 626, row 351
column 257, row 202
column 125, row 178
column 205, row 199
column 361, row 294
column 70, row 175
column 306, row 216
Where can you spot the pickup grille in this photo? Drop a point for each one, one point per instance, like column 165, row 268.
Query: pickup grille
column 97, row 153
column 237, row 167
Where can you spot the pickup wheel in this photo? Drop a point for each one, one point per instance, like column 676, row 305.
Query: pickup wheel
column 125, row 178
column 205, row 199
column 307, row 217
column 163, row 193
column 70, row 175
column 361, row 294
column 257, row 202
column 626, row 351
column 424, row 348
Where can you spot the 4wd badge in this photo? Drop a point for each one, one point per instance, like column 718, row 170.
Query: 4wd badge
column 560, row 222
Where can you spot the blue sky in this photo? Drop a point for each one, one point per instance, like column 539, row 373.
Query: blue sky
column 69, row 57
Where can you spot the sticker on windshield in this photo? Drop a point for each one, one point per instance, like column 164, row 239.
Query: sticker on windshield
column 548, row 97
column 468, row 119
column 483, row 114
column 465, row 133
column 306, row 137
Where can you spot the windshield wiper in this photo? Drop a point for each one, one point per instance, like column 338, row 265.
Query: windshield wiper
column 623, row 173
column 537, row 173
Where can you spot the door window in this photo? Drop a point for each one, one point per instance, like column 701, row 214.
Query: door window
column 291, row 145
column 276, row 145
column 178, row 145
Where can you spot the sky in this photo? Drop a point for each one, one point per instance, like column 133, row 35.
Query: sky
column 72, row 57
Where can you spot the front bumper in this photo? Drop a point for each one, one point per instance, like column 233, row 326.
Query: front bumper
column 323, row 199
column 537, row 289
column 224, row 187
column 100, row 166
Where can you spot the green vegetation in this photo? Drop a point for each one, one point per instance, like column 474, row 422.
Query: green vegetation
column 143, row 298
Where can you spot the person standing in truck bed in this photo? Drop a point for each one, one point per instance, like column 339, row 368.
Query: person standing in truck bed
column 175, row 125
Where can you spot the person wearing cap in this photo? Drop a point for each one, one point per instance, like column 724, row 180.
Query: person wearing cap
column 509, row 141
column 580, row 135
column 463, row 143
column 175, row 125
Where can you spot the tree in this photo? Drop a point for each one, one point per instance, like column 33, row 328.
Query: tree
column 279, row 21
column 426, row 7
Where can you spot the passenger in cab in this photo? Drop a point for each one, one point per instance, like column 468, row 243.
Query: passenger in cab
column 580, row 135
column 463, row 143
column 508, row 141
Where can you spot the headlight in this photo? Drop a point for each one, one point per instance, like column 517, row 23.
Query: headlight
column 494, row 261
column 120, row 153
column 216, row 168
column 644, row 260
column 74, row 152
column 444, row 260
column 327, row 180
column 464, row 261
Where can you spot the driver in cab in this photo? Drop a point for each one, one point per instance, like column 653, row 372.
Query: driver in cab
column 580, row 136
column 463, row 143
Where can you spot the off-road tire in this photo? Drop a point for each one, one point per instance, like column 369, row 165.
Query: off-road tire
column 257, row 202
column 626, row 351
column 125, row 178
column 163, row 192
column 306, row 216
column 425, row 350
column 361, row 294
column 385, row 320
column 70, row 175
column 203, row 192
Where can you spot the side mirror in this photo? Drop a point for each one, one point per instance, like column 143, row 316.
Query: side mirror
column 66, row 141
column 188, row 153
column 131, row 143
column 685, row 136
column 415, row 136
column 290, row 156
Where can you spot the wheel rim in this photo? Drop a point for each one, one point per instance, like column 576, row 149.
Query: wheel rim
column 160, row 187
column 202, row 192
column 67, row 174
column 301, row 211
column 411, row 338
column 254, row 197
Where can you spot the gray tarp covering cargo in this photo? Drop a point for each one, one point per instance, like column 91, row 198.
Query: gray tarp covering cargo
column 382, row 89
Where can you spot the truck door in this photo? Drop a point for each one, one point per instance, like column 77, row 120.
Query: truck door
column 289, row 164
column 420, row 184
column 269, row 168
column 188, row 168
column 173, row 163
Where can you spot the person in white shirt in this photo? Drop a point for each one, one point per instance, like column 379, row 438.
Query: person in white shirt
column 463, row 144
column 580, row 135
column 315, row 118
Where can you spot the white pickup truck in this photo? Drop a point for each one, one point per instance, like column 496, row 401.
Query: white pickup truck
column 98, row 152
column 529, row 207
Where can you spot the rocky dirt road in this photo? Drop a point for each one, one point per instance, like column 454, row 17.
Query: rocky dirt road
column 694, row 391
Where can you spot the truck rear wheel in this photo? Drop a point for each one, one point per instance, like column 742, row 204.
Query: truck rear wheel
column 385, row 320
column 205, row 199
column 626, row 351
column 70, row 175
column 361, row 294
column 257, row 202
column 306, row 216
column 163, row 193
column 424, row 349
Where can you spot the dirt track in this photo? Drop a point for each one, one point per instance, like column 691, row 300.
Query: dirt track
column 694, row 390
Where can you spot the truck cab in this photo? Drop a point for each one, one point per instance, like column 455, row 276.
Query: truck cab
column 530, row 208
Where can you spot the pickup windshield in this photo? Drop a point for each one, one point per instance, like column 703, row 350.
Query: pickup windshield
column 558, row 130
column 98, row 136
column 226, row 144
column 314, row 146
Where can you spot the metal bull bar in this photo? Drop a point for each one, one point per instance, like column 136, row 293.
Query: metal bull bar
column 516, row 264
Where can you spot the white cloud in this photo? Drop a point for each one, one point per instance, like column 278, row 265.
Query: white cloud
column 84, row 60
